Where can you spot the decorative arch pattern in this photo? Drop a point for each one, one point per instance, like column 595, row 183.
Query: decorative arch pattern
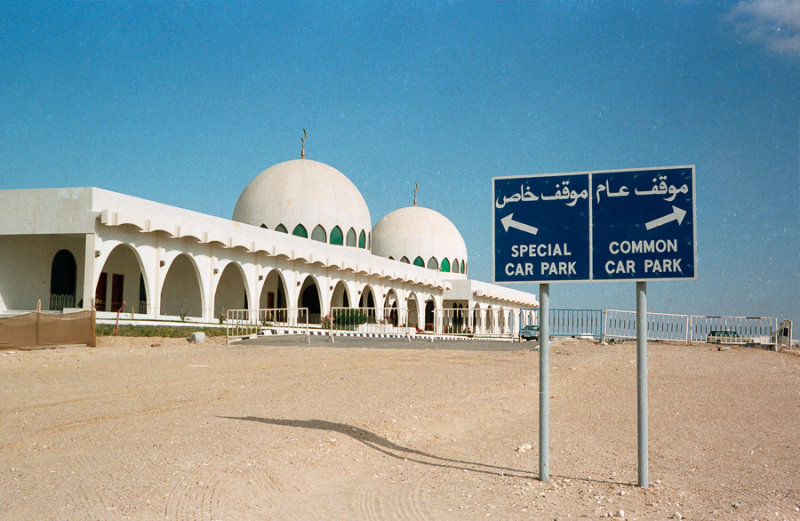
column 336, row 236
column 300, row 231
column 351, row 237
column 318, row 234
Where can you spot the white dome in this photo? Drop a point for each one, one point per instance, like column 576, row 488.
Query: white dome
column 308, row 193
column 417, row 233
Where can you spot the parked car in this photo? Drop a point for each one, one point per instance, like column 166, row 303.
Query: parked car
column 529, row 333
column 719, row 336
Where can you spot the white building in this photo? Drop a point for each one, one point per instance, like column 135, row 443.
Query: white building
column 301, row 237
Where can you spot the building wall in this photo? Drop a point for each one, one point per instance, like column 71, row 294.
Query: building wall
column 26, row 262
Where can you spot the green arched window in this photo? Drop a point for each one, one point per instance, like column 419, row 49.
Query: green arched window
column 445, row 265
column 463, row 266
column 336, row 236
column 300, row 231
column 405, row 259
column 362, row 240
column 419, row 262
column 281, row 228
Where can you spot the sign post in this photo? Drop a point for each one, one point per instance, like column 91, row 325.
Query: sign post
column 613, row 225
column 544, row 382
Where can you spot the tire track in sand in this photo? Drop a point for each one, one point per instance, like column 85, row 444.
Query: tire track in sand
column 375, row 500
column 203, row 493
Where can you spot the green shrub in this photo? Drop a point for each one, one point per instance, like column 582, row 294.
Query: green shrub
column 156, row 331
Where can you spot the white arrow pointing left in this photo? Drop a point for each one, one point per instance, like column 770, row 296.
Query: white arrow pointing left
column 509, row 222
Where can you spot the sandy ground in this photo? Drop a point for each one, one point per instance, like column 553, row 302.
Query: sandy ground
column 329, row 432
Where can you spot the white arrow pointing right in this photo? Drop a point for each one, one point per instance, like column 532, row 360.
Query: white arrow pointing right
column 509, row 222
column 676, row 215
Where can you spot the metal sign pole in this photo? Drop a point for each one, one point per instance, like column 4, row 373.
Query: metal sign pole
column 641, row 377
column 544, row 382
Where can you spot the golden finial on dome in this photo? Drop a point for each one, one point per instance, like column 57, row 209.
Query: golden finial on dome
column 303, row 145
column 415, row 193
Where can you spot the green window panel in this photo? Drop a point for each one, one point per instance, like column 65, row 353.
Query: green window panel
column 336, row 236
column 300, row 231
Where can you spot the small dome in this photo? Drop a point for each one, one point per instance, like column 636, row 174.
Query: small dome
column 423, row 235
column 307, row 198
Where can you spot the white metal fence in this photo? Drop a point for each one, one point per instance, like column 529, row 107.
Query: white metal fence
column 385, row 321
column 693, row 328
column 741, row 330
column 660, row 326
column 246, row 322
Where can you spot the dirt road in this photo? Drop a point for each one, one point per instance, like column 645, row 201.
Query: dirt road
column 319, row 432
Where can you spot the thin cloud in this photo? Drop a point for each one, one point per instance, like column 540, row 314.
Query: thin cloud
column 775, row 24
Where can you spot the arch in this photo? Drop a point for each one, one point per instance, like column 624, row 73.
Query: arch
column 273, row 297
column 367, row 302
column 281, row 228
column 429, row 315
column 405, row 259
column 419, row 262
column 273, row 292
column 445, row 265
column 319, row 234
column 477, row 323
column 413, row 311
column 341, row 296
column 351, row 237
column 300, row 231
column 433, row 263
column 390, row 307
column 456, row 266
column 310, row 298
column 263, row 225
column 463, row 266
column 362, row 239
column 63, row 280
column 118, row 284
column 181, row 295
column 490, row 321
column 231, row 290
column 336, row 236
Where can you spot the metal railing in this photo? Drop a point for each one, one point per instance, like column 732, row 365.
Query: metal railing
column 568, row 322
column 660, row 326
column 58, row 302
column 614, row 323
column 734, row 330
column 372, row 320
column 246, row 322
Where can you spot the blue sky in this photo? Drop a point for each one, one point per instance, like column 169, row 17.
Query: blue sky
column 184, row 103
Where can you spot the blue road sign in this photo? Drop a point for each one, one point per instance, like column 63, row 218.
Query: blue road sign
column 595, row 226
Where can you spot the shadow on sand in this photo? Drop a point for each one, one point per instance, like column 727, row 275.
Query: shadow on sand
column 380, row 444
column 375, row 442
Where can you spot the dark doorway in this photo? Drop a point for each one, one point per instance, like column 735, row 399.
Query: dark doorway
column 429, row 315
column 100, row 292
column 117, row 287
column 63, row 280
